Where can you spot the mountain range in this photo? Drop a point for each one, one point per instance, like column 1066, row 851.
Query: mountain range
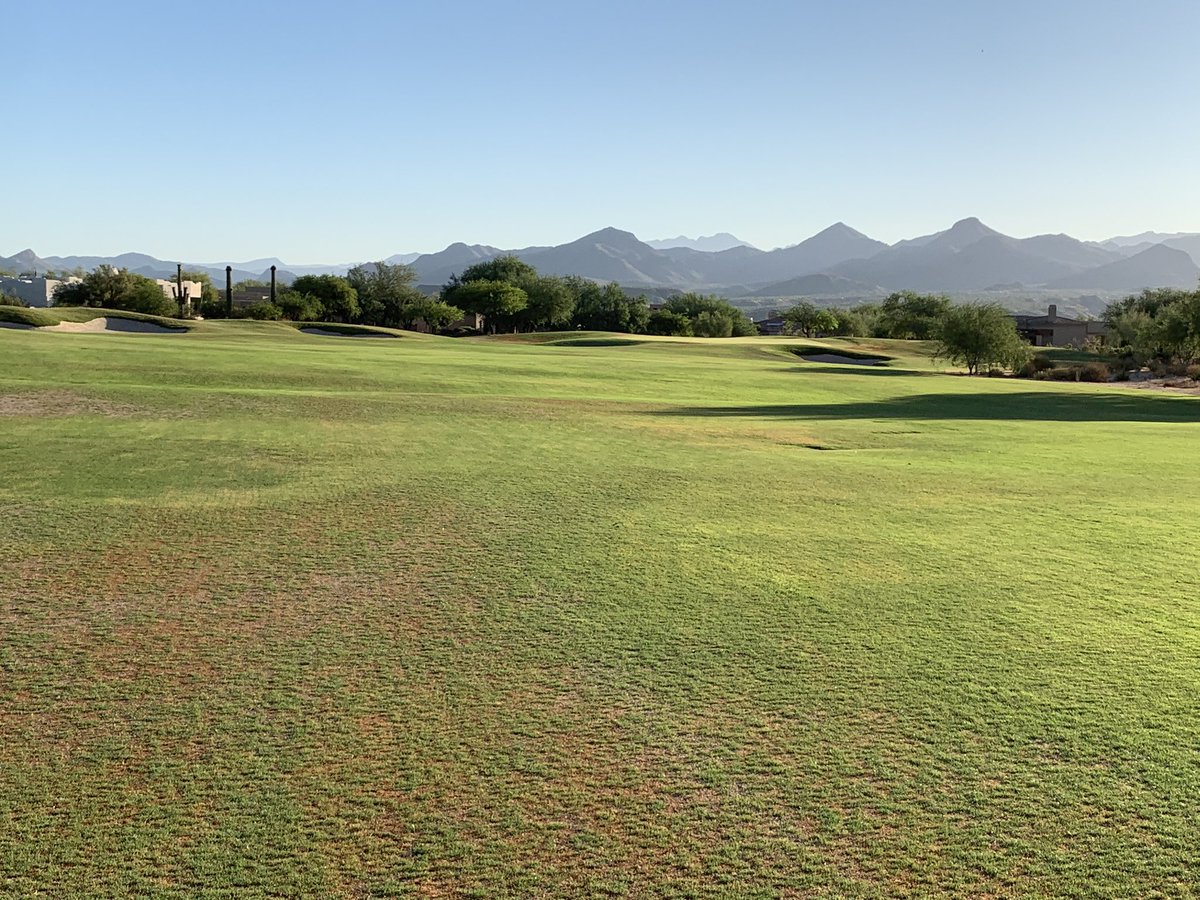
column 838, row 262
column 968, row 257
column 713, row 243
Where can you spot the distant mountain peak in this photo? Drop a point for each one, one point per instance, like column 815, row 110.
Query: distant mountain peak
column 712, row 243
column 840, row 228
column 26, row 256
column 842, row 235
column 611, row 235
column 971, row 225
column 963, row 233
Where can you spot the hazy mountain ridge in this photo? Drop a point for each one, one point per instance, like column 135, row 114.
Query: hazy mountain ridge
column 1158, row 265
column 143, row 264
column 713, row 243
column 967, row 258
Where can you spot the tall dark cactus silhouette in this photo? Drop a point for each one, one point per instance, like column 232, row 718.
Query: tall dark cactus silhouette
column 182, row 295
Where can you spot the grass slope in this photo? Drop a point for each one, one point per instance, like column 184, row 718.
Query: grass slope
column 54, row 315
column 291, row 615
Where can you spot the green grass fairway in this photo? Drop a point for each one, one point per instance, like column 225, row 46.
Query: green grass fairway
column 285, row 614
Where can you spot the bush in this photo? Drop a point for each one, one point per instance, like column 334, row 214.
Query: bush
column 723, row 319
column 264, row 309
column 1193, row 372
column 665, row 322
column 1094, row 372
column 300, row 307
column 1041, row 363
column 461, row 331
column 213, row 308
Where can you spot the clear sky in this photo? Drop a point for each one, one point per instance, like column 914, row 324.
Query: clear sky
column 330, row 132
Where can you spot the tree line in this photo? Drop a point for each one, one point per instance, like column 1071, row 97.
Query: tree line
column 1156, row 327
column 905, row 315
column 510, row 295
column 979, row 336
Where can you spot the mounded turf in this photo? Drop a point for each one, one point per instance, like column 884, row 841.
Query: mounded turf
column 285, row 614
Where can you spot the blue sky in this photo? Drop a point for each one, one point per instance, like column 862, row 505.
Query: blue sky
column 326, row 132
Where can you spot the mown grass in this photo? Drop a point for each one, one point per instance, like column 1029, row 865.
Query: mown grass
column 283, row 614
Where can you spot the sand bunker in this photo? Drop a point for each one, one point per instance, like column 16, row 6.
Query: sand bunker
column 324, row 332
column 838, row 359
column 103, row 324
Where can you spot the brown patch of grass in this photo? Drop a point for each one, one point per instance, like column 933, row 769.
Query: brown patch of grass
column 60, row 403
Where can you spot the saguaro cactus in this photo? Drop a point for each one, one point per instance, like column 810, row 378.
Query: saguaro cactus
column 182, row 295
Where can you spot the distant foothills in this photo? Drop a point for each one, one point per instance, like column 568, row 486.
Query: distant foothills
column 839, row 263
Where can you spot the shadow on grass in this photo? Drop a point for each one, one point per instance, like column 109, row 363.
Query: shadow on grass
column 812, row 369
column 1050, row 407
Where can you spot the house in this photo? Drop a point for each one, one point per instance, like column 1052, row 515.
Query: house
column 38, row 290
column 1053, row 330
column 35, row 290
column 774, row 324
column 191, row 290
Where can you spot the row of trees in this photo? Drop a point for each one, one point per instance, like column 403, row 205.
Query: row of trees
column 512, row 296
column 1160, row 325
column 978, row 336
column 508, row 293
column 377, row 294
column 905, row 315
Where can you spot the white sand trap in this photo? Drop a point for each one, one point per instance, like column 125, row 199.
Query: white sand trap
column 357, row 334
column 103, row 324
column 839, row 360
column 20, row 325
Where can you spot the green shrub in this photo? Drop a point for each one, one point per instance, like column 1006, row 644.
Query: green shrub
column 301, row 307
column 1193, row 372
column 1041, row 363
column 665, row 322
column 264, row 309
column 214, row 307
column 1095, row 372
column 1035, row 366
